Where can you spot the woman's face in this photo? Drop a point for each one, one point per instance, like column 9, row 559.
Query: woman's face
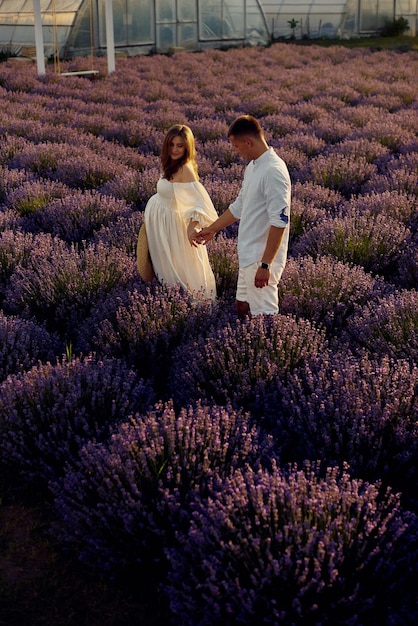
column 177, row 148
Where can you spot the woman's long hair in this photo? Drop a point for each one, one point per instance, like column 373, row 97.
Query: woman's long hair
column 169, row 166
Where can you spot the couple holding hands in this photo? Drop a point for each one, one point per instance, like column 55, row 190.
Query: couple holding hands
column 180, row 219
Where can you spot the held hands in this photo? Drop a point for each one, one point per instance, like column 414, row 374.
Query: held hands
column 203, row 236
column 197, row 235
column 193, row 232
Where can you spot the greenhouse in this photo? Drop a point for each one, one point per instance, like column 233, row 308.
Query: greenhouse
column 79, row 27
column 74, row 27
column 336, row 18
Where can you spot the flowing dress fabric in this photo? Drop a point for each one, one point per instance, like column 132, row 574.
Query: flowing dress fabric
column 166, row 217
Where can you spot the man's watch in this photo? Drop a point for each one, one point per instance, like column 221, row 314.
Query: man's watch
column 265, row 266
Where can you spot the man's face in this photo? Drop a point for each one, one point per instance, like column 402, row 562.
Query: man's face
column 243, row 145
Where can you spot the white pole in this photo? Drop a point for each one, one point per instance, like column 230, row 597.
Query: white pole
column 110, row 38
column 39, row 40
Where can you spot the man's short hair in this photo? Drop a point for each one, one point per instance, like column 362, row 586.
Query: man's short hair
column 245, row 125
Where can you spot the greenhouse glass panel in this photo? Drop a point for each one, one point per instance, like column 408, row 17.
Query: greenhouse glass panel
column 212, row 22
column 23, row 34
column 308, row 18
column 140, row 26
column 56, row 28
column 166, row 10
column 140, row 21
column 12, row 6
column 61, row 6
column 81, row 36
column 6, row 34
column 186, row 35
column 133, row 22
column 236, row 18
column 187, row 11
column 409, row 10
column 166, row 36
column 120, row 23
column 222, row 20
column 375, row 13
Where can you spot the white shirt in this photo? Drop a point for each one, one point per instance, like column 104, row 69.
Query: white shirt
column 263, row 201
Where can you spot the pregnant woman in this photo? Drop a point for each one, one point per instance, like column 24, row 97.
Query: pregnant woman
column 179, row 209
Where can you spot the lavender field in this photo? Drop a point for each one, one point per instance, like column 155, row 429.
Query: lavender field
column 256, row 472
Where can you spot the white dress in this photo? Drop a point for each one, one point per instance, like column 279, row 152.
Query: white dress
column 167, row 215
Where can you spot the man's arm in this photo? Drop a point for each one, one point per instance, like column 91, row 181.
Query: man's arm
column 274, row 241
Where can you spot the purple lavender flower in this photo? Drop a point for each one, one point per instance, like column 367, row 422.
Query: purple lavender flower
column 23, row 343
column 144, row 325
column 235, row 363
column 359, row 409
column 408, row 262
column 60, row 285
column 293, row 547
column 15, row 251
column 388, row 325
column 124, row 500
column 332, row 377
column 34, row 195
column 347, row 174
column 74, row 218
column 373, row 241
column 326, row 291
column 49, row 412
column 10, row 179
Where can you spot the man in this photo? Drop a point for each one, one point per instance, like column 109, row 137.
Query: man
column 263, row 208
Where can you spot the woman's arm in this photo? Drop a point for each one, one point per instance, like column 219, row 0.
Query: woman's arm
column 208, row 233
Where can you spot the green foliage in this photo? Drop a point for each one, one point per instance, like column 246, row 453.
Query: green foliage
column 293, row 25
column 7, row 52
column 395, row 28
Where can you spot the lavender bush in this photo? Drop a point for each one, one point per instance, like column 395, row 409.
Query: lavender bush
column 144, row 326
column 361, row 410
column 49, row 412
column 398, row 175
column 76, row 166
column 292, row 547
column 32, row 196
column 408, row 264
column 10, row 145
column 236, row 363
column 325, row 291
column 135, row 187
column 394, row 204
column 311, row 204
column 374, row 242
column 341, row 172
column 8, row 220
column 320, row 198
column 125, row 499
column 121, row 233
column 15, row 252
column 22, row 344
column 74, row 217
column 60, row 285
column 224, row 260
column 388, row 326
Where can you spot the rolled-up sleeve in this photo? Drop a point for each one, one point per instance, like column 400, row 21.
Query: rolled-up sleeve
column 277, row 194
